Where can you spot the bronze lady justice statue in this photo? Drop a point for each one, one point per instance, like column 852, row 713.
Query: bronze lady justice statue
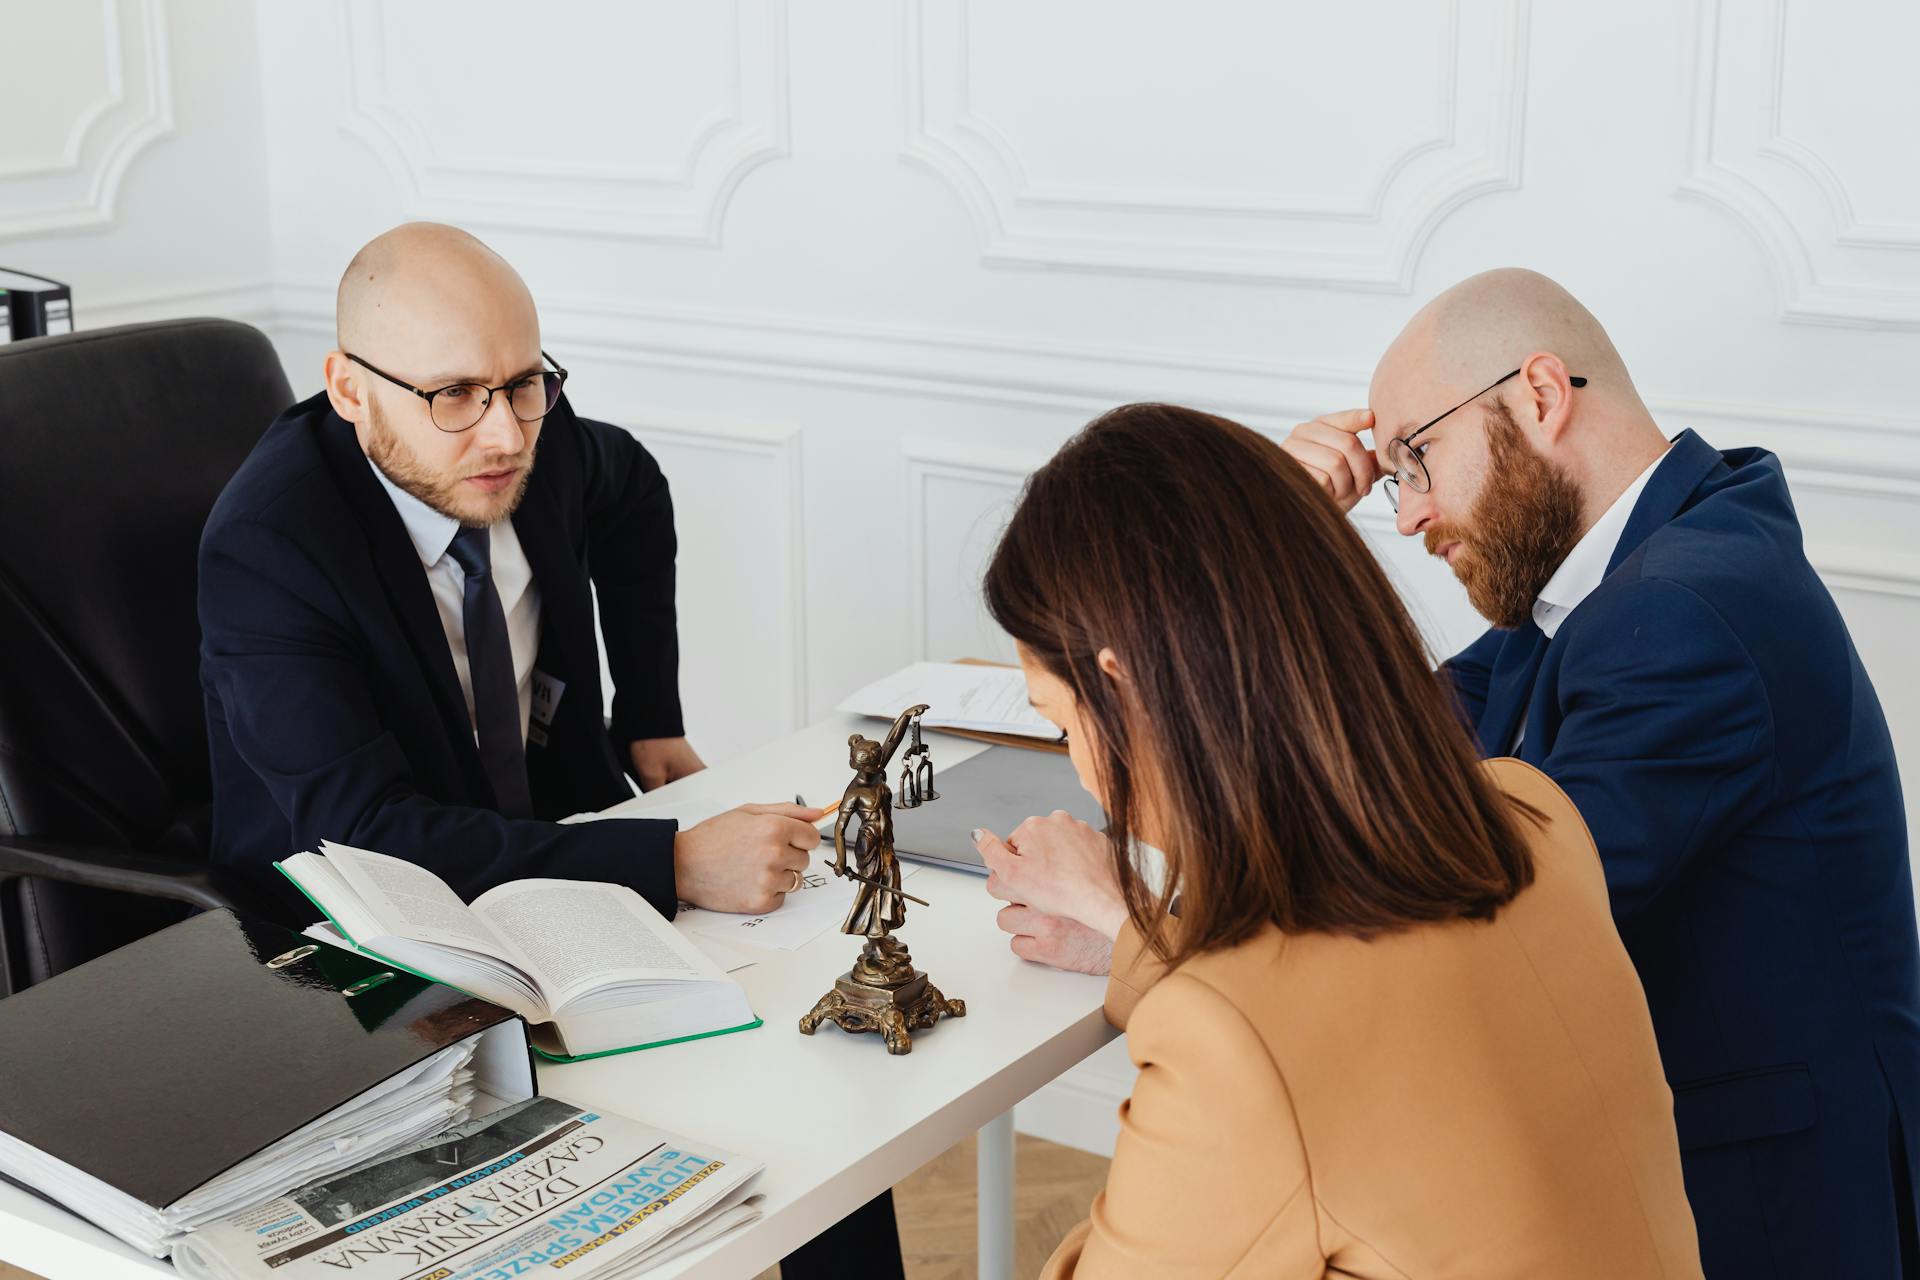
column 883, row 991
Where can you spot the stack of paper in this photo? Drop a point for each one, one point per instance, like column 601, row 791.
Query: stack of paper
column 959, row 695
column 422, row 1100
column 527, row 1190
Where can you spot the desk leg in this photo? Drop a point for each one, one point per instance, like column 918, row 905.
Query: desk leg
column 996, row 1198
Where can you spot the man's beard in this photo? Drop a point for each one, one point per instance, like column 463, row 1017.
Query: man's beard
column 444, row 493
column 1519, row 532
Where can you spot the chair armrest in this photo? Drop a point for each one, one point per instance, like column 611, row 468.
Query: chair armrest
column 149, row 875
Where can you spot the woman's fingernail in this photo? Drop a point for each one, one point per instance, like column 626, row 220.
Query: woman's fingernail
column 977, row 833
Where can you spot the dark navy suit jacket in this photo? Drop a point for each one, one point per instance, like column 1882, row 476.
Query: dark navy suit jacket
column 332, row 705
column 1705, row 709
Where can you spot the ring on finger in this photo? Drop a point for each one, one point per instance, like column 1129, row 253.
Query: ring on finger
column 797, row 880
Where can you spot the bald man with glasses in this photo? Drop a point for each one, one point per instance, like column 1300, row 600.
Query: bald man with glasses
column 397, row 597
column 396, row 605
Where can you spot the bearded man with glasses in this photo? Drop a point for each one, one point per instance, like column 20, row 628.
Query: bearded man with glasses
column 1662, row 649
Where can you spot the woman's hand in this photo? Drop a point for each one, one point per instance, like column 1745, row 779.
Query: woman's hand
column 1055, row 941
column 1056, row 865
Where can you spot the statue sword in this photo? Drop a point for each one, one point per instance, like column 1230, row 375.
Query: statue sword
column 884, row 888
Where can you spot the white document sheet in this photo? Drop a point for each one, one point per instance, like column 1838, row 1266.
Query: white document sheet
column 819, row 905
column 730, row 958
column 958, row 696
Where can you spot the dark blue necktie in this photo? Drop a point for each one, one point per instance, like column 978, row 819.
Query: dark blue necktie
column 496, row 695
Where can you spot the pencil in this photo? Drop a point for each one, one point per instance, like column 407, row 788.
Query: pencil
column 832, row 808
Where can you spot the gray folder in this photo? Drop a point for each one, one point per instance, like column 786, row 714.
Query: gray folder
column 998, row 789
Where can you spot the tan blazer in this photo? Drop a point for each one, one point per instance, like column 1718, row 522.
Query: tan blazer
column 1476, row 1100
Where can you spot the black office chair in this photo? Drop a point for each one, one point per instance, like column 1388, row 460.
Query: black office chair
column 113, row 446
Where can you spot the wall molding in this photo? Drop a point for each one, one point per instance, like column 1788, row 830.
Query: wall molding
column 90, row 116
column 1849, row 229
column 964, row 366
column 781, row 446
column 1867, row 570
column 82, row 189
column 1801, row 258
column 252, row 301
column 1877, row 454
column 925, row 461
column 1853, row 455
column 1368, row 244
column 1872, row 454
column 684, row 203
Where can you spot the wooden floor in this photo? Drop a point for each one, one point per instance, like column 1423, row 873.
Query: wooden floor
column 1053, row 1187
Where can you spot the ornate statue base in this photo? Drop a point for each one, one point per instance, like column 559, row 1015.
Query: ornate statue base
column 883, row 992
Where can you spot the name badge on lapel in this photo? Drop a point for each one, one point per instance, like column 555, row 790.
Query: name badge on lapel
column 546, row 700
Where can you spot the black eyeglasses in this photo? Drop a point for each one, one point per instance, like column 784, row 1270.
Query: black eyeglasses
column 1409, row 468
column 460, row 405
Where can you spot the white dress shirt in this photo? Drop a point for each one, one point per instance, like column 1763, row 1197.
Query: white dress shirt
column 1585, row 566
column 432, row 534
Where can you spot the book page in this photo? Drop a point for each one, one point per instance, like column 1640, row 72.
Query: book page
column 412, row 902
column 479, row 975
column 331, row 895
column 577, row 935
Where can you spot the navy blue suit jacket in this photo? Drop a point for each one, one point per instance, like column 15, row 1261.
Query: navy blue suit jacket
column 332, row 705
column 1706, row 711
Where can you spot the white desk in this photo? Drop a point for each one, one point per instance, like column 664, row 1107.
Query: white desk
column 834, row 1117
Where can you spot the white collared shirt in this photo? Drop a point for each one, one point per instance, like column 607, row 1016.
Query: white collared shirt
column 1585, row 566
column 432, row 533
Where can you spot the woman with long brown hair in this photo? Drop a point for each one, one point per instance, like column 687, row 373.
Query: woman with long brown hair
column 1383, row 1022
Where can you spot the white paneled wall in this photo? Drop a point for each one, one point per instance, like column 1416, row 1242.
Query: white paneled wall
column 76, row 122
column 853, row 269
column 132, row 162
column 1004, row 101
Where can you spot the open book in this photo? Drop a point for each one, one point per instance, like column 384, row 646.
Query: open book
column 592, row 967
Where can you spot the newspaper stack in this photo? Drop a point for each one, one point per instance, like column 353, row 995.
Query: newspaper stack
column 542, row 1184
column 423, row 1099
